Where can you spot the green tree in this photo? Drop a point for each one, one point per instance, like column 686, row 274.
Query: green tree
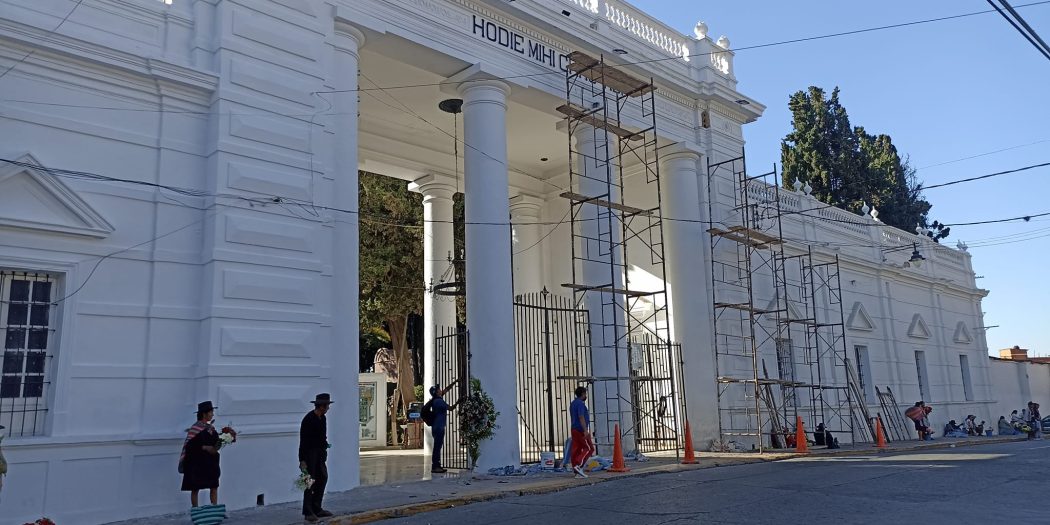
column 848, row 167
column 391, row 270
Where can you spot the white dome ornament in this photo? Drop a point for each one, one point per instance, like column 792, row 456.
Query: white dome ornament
column 797, row 185
column 723, row 42
column 808, row 189
column 700, row 30
column 865, row 209
column 962, row 246
column 874, row 215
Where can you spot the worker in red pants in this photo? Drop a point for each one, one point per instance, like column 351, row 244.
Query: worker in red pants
column 582, row 440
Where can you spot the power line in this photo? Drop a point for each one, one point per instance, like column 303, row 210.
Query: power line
column 996, row 174
column 745, row 48
column 30, row 53
column 982, row 154
column 1031, row 38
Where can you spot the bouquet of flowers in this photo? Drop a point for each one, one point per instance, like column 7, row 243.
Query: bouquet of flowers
column 227, row 436
column 477, row 420
column 304, row 481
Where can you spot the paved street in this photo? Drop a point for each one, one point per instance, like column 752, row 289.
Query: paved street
column 1000, row 483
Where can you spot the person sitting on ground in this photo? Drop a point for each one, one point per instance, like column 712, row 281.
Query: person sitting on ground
column 1005, row 428
column 823, row 438
column 972, row 428
column 952, row 429
column 1015, row 421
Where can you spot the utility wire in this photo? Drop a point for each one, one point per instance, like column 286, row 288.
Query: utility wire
column 1041, row 48
column 30, row 53
column 960, row 181
column 745, row 48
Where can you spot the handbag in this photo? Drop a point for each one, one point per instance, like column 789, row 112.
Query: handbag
column 208, row 514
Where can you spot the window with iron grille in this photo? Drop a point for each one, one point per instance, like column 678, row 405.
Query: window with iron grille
column 27, row 321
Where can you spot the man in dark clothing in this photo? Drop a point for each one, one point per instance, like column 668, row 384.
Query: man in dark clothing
column 437, row 430
column 313, row 453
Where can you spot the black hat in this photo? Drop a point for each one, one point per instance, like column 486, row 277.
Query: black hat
column 323, row 399
column 205, row 406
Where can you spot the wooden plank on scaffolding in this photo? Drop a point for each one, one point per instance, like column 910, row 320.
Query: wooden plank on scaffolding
column 591, row 117
column 745, row 307
column 745, row 236
column 579, row 198
column 612, row 77
column 608, row 289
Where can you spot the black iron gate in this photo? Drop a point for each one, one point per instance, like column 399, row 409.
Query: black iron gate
column 453, row 362
column 553, row 358
column 657, row 394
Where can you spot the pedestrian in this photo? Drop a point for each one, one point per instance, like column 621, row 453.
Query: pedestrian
column 1016, row 421
column 313, row 453
column 1034, row 421
column 199, row 461
column 582, row 439
column 1005, row 428
column 435, row 414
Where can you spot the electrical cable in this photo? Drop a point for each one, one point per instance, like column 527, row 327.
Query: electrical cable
column 1044, row 52
column 745, row 48
column 49, row 33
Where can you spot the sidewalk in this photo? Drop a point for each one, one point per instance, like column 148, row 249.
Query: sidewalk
column 370, row 504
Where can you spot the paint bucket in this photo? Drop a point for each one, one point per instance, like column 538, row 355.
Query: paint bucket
column 547, row 460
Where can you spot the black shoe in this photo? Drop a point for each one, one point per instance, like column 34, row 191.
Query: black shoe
column 438, row 470
column 310, row 518
column 324, row 514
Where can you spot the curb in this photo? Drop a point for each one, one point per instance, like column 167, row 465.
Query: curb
column 549, row 486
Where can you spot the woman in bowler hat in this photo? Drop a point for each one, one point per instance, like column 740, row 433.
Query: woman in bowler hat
column 200, row 456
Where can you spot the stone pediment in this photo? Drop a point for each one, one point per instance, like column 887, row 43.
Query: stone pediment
column 918, row 328
column 859, row 319
column 962, row 334
column 33, row 199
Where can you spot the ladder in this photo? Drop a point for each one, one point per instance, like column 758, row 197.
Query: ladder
column 858, row 394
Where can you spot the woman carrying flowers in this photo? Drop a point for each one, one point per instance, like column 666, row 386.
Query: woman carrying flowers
column 200, row 455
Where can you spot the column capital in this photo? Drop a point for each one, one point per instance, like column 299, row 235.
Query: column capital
column 526, row 205
column 680, row 151
column 478, row 78
column 434, row 185
column 348, row 37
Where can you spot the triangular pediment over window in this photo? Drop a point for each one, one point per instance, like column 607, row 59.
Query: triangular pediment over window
column 962, row 334
column 33, row 199
column 859, row 319
column 792, row 312
column 918, row 328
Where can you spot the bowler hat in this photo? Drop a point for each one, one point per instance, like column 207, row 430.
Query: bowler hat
column 323, row 399
column 205, row 406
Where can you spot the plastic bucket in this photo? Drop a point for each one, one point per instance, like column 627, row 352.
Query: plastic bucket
column 547, row 460
column 988, row 432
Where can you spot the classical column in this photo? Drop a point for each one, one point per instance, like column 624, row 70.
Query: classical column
column 602, row 266
column 528, row 260
column 438, row 245
column 688, row 285
column 344, row 427
column 490, row 288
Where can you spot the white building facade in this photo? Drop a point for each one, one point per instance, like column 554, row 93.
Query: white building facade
column 178, row 223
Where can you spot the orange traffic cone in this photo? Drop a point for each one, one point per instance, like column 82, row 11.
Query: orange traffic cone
column 690, row 456
column 618, row 463
column 880, row 436
column 801, row 446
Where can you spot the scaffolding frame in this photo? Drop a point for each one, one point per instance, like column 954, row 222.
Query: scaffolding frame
column 778, row 299
column 619, row 110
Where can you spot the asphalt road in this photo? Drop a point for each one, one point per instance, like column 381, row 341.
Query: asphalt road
column 987, row 484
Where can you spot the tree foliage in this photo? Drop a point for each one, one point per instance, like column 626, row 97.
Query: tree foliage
column 848, row 167
column 391, row 270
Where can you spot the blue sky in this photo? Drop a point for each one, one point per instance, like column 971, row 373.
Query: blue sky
column 943, row 91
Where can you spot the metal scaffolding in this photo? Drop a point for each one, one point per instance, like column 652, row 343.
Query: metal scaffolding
column 612, row 114
column 778, row 300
